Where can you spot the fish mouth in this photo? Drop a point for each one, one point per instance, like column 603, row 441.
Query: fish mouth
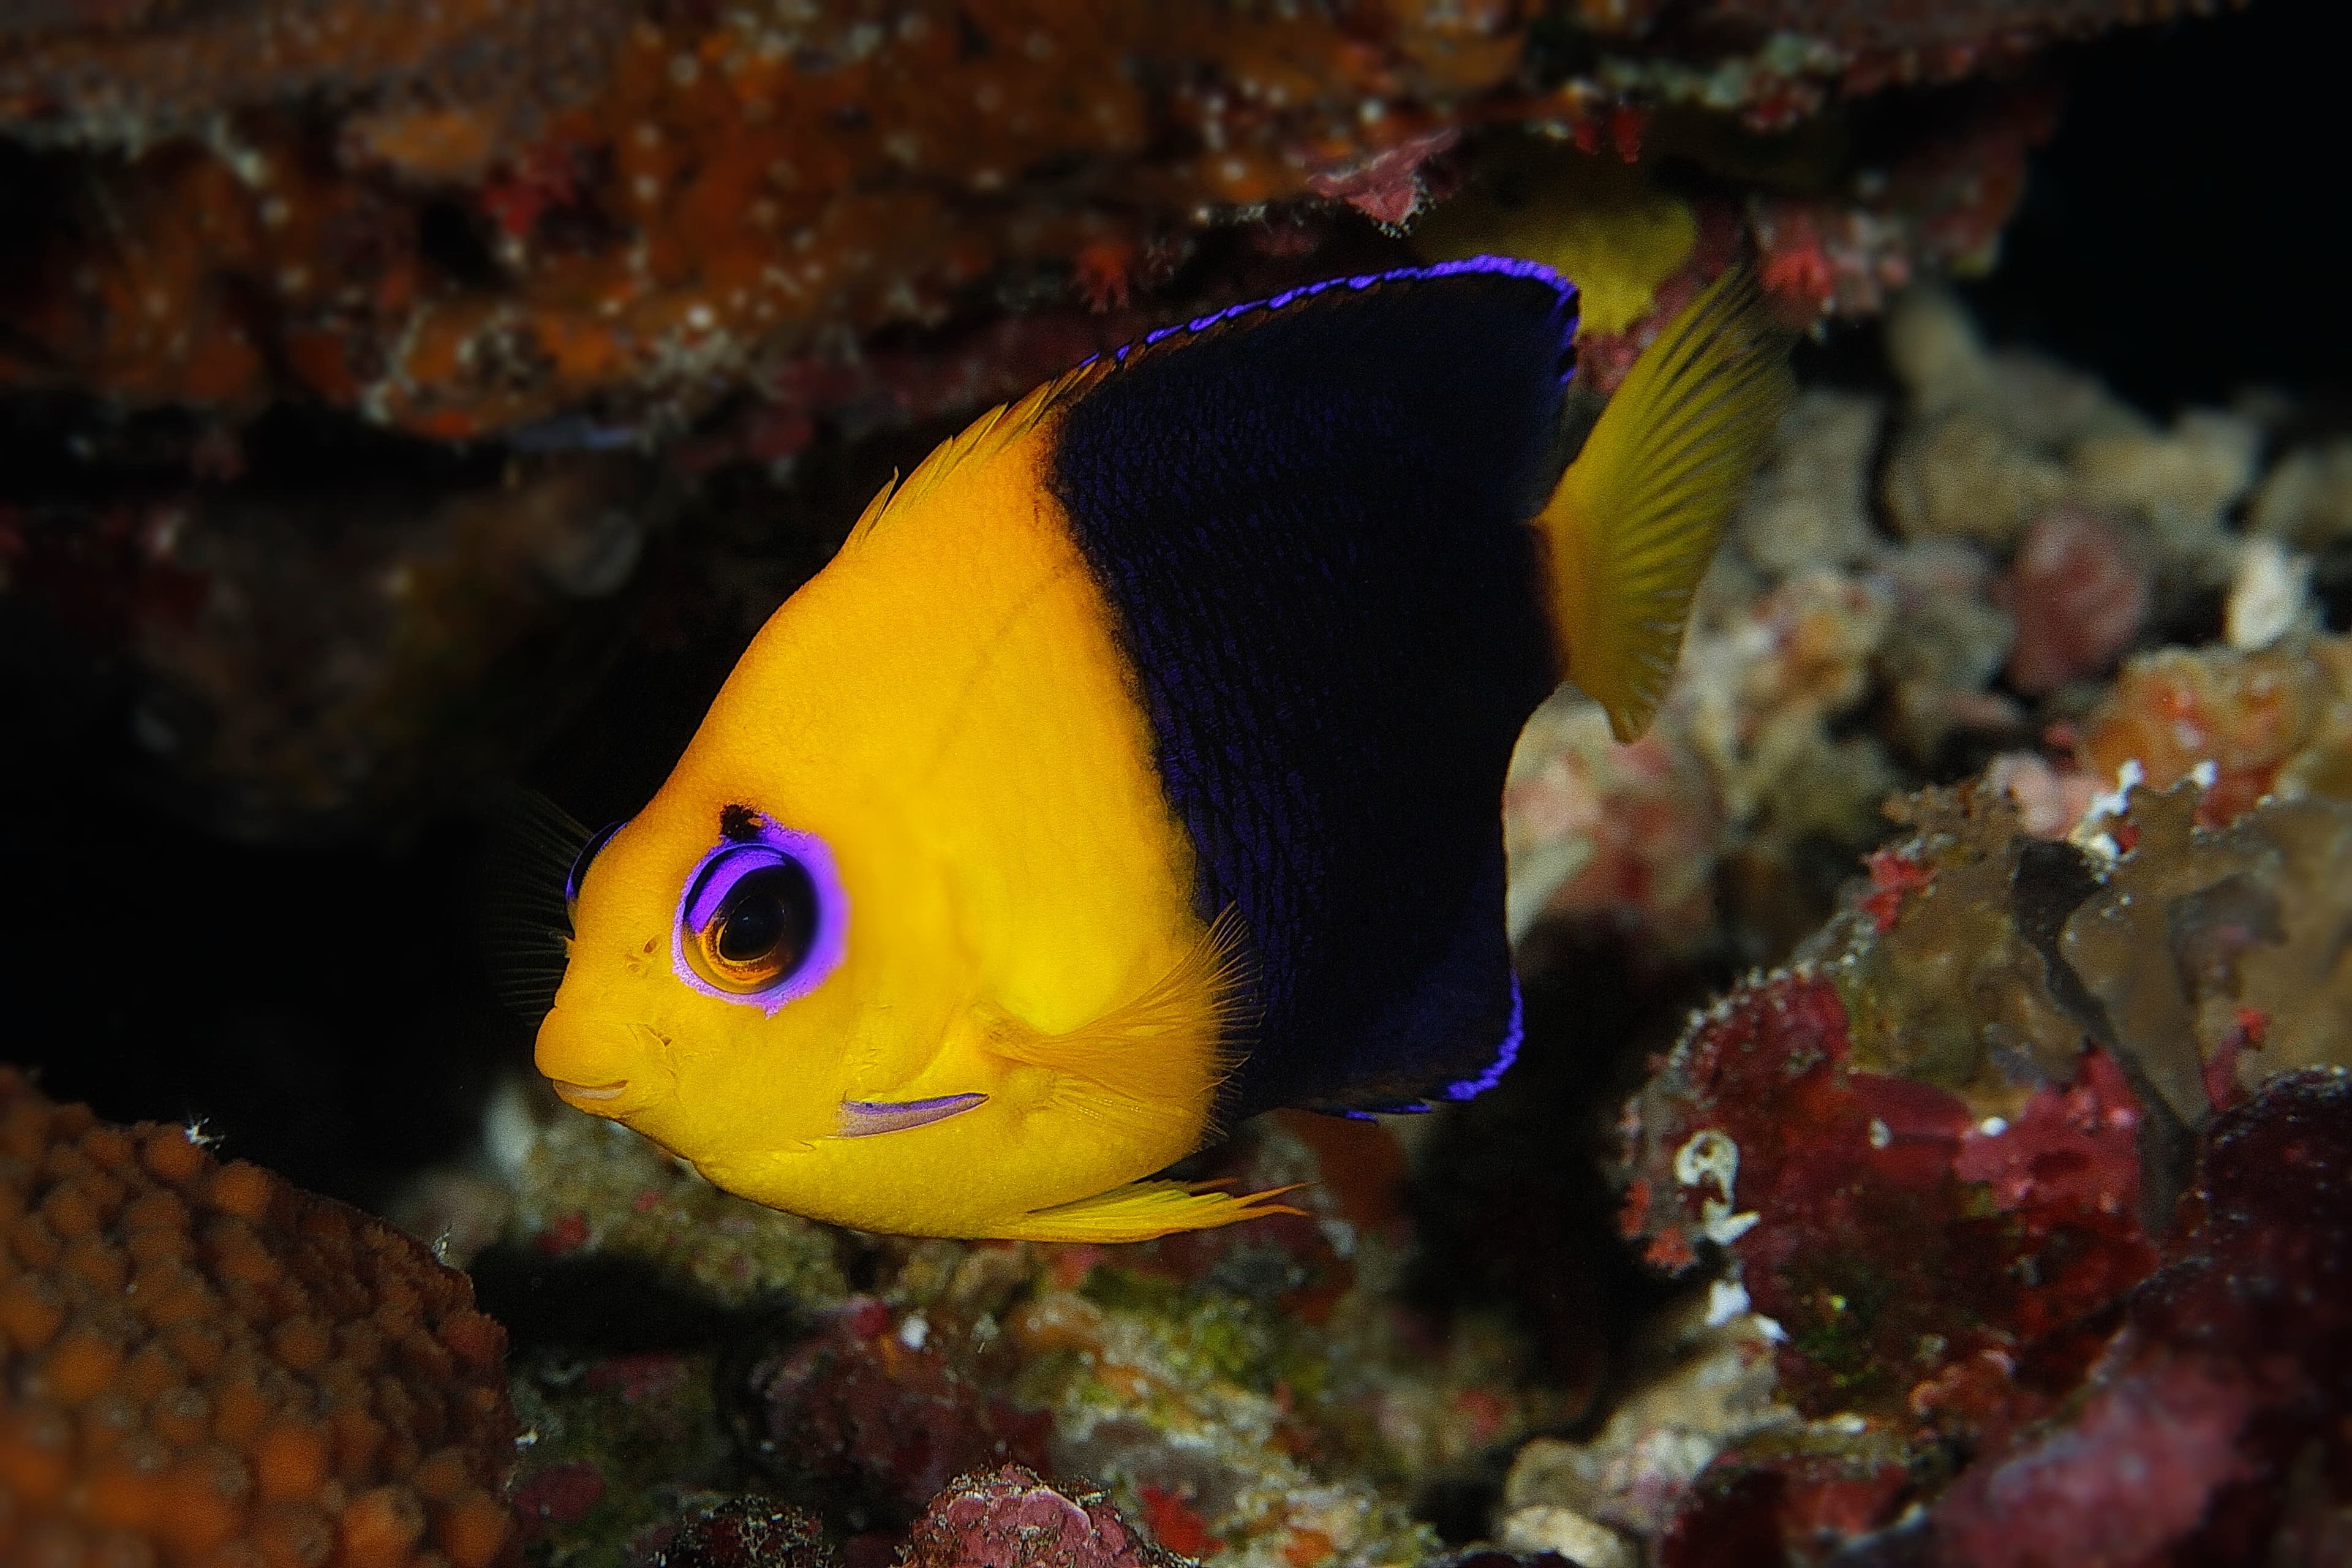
column 596, row 1093
column 864, row 1118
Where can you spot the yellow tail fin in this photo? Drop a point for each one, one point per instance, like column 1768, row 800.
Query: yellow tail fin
column 1636, row 517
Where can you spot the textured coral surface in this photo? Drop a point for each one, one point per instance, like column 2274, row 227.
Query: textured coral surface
column 204, row 1365
column 502, row 213
column 1010, row 1519
column 1939, row 1160
column 1261, row 1394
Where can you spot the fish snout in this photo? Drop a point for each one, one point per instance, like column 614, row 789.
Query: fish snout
column 597, row 1064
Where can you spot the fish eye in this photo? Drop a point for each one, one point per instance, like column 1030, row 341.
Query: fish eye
column 763, row 916
column 578, row 874
column 760, row 932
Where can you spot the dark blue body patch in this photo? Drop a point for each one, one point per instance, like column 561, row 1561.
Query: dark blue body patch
column 1310, row 517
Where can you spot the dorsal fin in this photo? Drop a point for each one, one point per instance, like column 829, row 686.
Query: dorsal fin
column 983, row 438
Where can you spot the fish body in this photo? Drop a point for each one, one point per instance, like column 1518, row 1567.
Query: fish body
column 1136, row 765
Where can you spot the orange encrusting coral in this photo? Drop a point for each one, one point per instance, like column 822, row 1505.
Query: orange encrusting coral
column 730, row 188
column 201, row 1364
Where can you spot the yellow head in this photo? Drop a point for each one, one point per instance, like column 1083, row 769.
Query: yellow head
column 906, row 940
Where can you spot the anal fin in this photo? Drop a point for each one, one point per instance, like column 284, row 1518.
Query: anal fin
column 1141, row 1210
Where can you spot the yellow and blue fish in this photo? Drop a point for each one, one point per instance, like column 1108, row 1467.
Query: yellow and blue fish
column 1136, row 766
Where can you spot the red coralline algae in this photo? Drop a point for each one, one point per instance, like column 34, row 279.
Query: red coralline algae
column 2229, row 1388
column 202, row 1365
column 1009, row 1518
column 2079, row 589
column 856, row 1404
column 2088, row 1503
column 1792, row 1507
column 1175, row 1524
column 1893, row 876
column 1888, row 1233
column 2075, row 1144
column 1387, row 188
column 1940, row 206
column 2200, row 1413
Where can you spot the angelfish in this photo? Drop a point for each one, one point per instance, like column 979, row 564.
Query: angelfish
column 1136, row 765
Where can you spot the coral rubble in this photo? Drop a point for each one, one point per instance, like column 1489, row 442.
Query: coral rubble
column 206, row 1366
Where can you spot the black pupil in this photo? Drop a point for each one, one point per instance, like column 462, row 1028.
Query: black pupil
column 769, row 916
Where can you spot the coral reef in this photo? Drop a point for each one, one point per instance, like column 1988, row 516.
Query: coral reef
column 1260, row 1393
column 747, row 1532
column 1706, row 1382
column 855, row 1405
column 725, row 189
column 545, row 242
column 206, row 1366
column 515, row 212
column 591, row 1191
column 1950, row 577
column 1925, row 1176
column 1010, row 1519
column 2214, row 1413
column 2206, row 1425
column 1937, row 1153
column 2276, row 722
column 386, row 377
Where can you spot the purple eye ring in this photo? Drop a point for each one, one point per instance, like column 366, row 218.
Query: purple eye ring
column 762, row 918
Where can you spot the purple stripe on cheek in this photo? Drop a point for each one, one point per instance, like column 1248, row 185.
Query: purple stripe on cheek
column 864, row 1118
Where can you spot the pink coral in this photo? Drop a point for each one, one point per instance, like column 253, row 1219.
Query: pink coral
column 2090, row 1506
column 2231, row 1375
column 1009, row 1518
